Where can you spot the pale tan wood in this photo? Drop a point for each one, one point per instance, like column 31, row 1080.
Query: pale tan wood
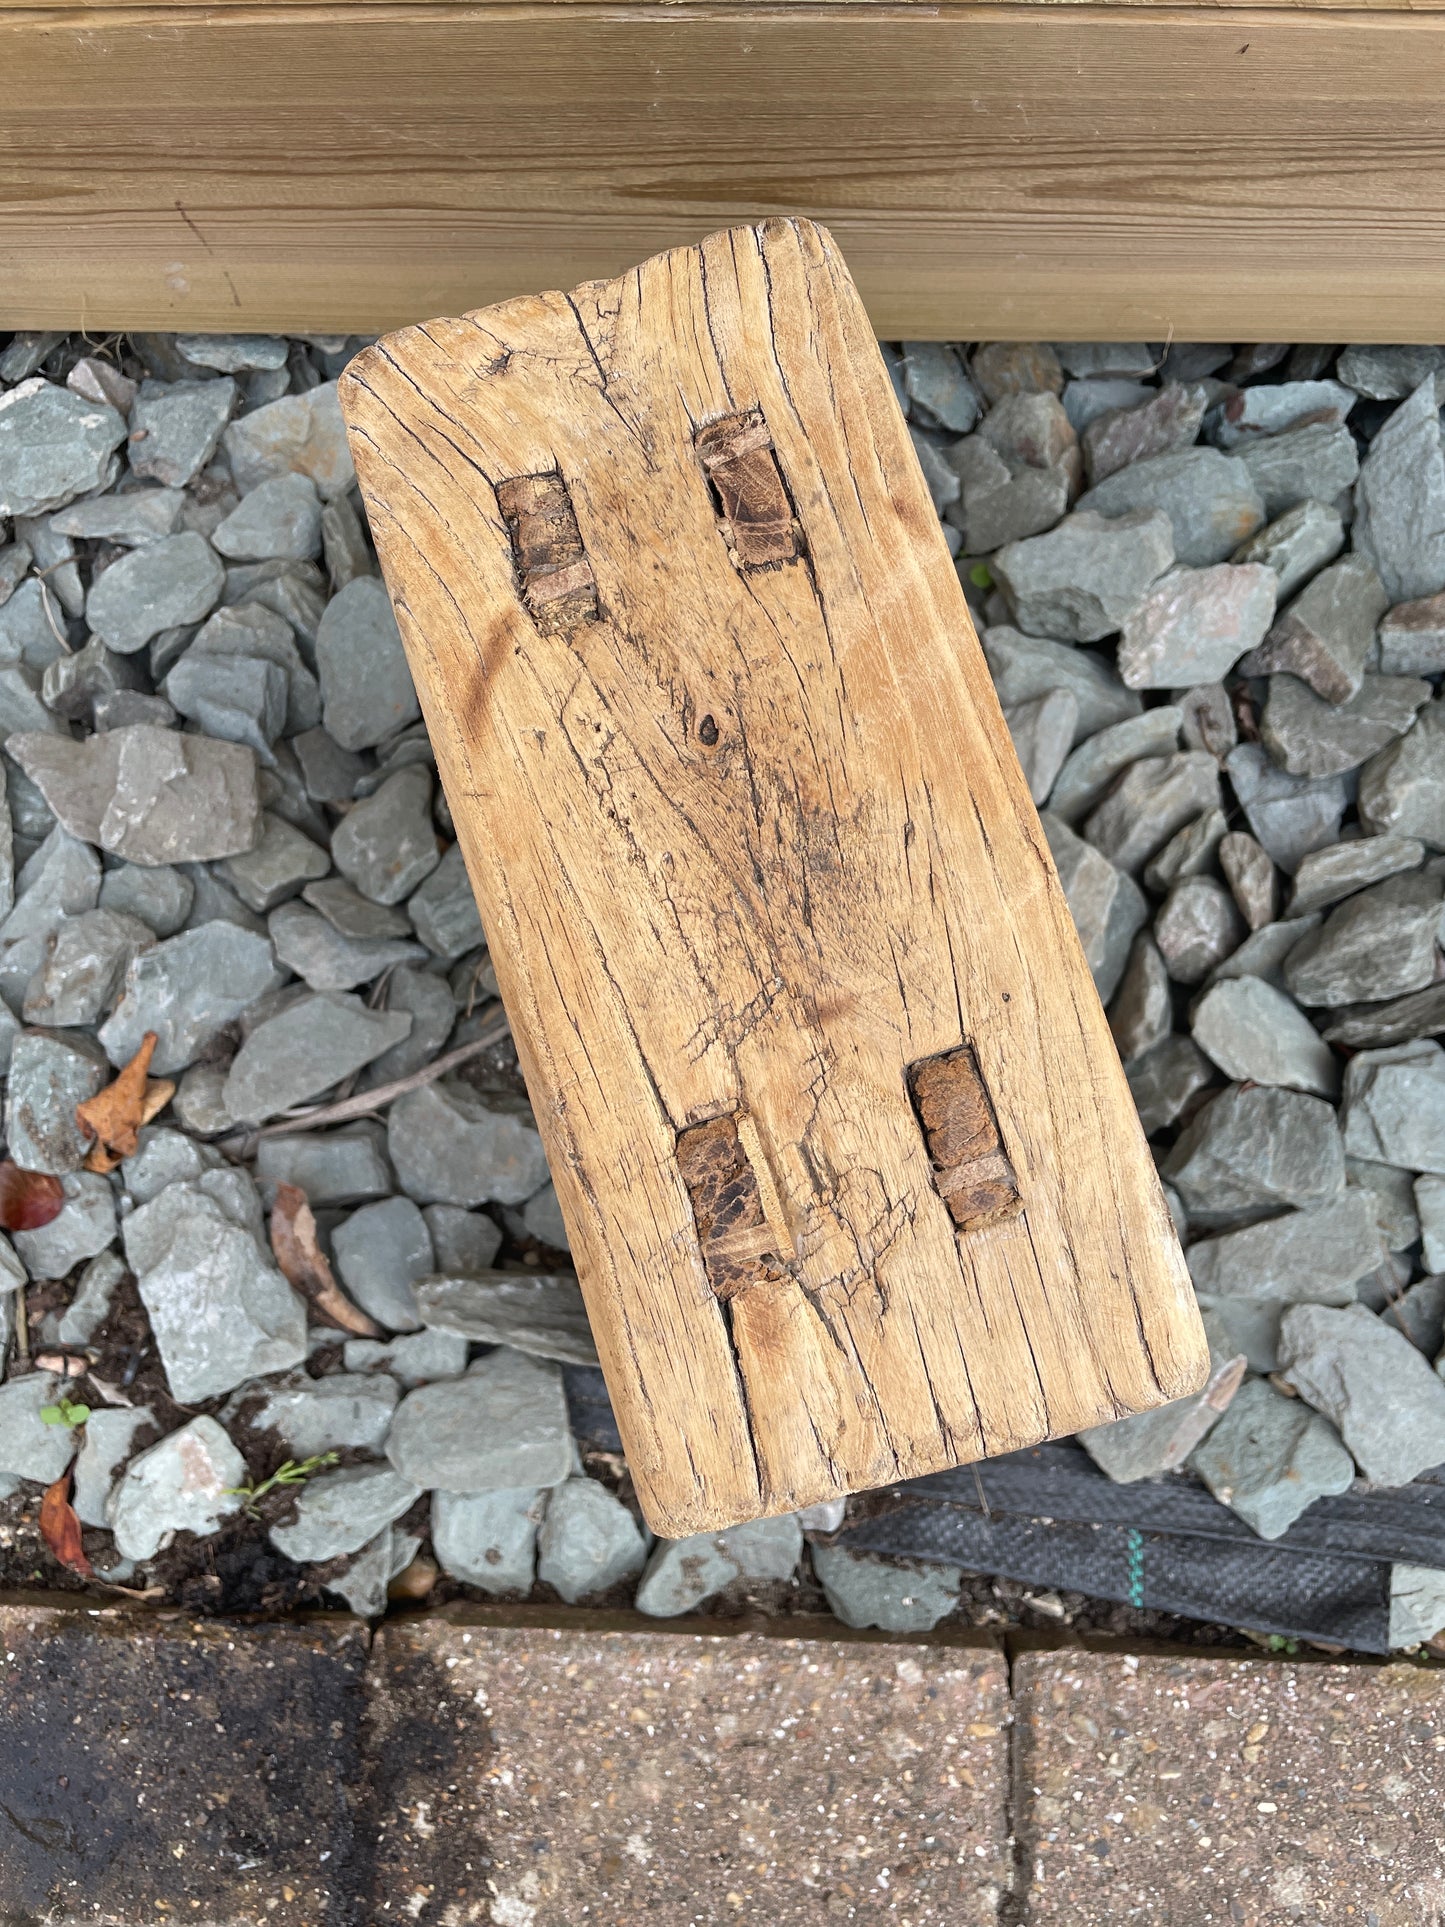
column 751, row 844
column 1056, row 172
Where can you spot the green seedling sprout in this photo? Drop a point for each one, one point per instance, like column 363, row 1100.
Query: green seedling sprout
column 65, row 1411
column 293, row 1472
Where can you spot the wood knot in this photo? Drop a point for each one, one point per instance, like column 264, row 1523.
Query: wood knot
column 739, row 460
column 556, row 577
column 707, row 732
column 971, row 1169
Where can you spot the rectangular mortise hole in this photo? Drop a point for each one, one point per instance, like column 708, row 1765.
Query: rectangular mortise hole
column 740, row 462
column 547, row 553
column 739, row 1247
column 971, row 1169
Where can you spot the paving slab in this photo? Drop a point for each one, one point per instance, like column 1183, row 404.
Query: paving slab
column 163, row 1768
column 1175, row 1792
column 551, row 1778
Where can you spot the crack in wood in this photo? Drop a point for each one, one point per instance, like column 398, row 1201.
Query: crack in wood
column 557, row 581
column 739, row 460
column 739, row 1246
column 972, row 1172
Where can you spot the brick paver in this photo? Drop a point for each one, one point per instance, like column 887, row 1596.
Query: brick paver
column 618, row 1778
column 1253, row 1793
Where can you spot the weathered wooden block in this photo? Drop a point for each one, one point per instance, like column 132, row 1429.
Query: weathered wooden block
column 849, row 1166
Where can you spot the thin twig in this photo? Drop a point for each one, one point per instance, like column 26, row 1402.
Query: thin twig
column 22, row 1333
column 367, row 1102
column 55, row 628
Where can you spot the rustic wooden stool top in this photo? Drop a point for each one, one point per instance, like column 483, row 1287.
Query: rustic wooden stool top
column 851, row 1172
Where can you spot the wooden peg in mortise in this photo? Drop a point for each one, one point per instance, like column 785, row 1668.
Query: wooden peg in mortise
column 556, row 577
column 757, row 517
column 971, row 1169
column 739, row 1247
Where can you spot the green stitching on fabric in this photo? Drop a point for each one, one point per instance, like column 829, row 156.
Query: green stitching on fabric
column 1135, row 1543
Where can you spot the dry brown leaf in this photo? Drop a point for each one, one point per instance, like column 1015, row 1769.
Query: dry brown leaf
column 114, row 1116
column 28, row 1199
column 303, row 1262
column 60, row 1528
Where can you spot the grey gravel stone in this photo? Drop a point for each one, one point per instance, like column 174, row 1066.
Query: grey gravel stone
column 49, row 1076
column 366, row 687
column 365, row 1583
column 1400, row 499
column 149, row 795
column 232, row 354
column 15, row 560
column 1297, row 545
column 1402, row 788
column 1253, row 1150
column 1270, row 1457
column 503, row 1425
column 417, row 1358
column 175, row 428
column 187, row 990
column 489, row 1539
column 1002, row 368
column 450, row 1146
column 1370, row 1381
column 1211, row 500
column 1269, row 409
column 1158, row 422
column 354, row 915
column 1327, row 876
column 1387, row 374
column 1251, row 877
column 253, row 632
column 304, row 1050
column 540, row 1313
column 543, row 1219
column 386, row 844
column 330, row 772
column 444, row 910
column 1430, row 1210
column 1311, row 737
column 1417, row 1604
column 344, row 1167
column 1107, row 906
column 94, row 1295
column 341, row 1511
column 1188, row 853
column 1412, row 638
column 1025, row 667
column 295, row 591
column 85, row 1226
column 588, row 1541
column 1165, row 1078
column 82, row 972
column 1089, row 397
column 1148, row 1443
column 61, row 879
column 1391, row 1192
column 1195, row 624
column 108, row 1440
column 240, row 699
column 1290, row 815
column 54, row 445
column 429, row 1000
column 301, row 434
column 1256, row 1034
column 381, row 1252
column 1324, row 636
column 22, row 709
column 934, row 376
column 863, row 1591
column 1393, row 1110
column 71, row 685
column 1042, row 732
column 345, row 1411
column 220, row 1313
column 1151, row 800
column 163, row 1157
column 1317, row 1255
column 1142, row 1010
column 276, row 866
column 1003, row 499
column 466, row 1242
column 1081, row 580
column 29, row 1448
column 1419, row 1312
column 311, row 946
column 1196, row 928
column 167, row 583
column 1092, row 767
column 184, row 1484
column 280, row 518
column 682, row 1573
column 1378, row 943
column 1316, row 459
column 942, row 477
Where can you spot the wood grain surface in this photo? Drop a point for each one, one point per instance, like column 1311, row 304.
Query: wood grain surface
column 851, row 1173
column 1046, row 171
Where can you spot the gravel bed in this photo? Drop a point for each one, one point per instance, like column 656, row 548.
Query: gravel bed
column 257, row 1358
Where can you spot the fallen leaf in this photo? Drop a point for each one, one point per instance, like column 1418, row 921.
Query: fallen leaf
column 114, row 1116
column 60, row 1528
column 28, row 1199
column 304, row 1263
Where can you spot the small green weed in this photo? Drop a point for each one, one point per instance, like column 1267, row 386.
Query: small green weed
column 293, row 1472
column 66, row 1411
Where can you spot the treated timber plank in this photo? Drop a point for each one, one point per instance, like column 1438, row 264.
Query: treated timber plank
column 850, row 1170
column 1019, row 171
